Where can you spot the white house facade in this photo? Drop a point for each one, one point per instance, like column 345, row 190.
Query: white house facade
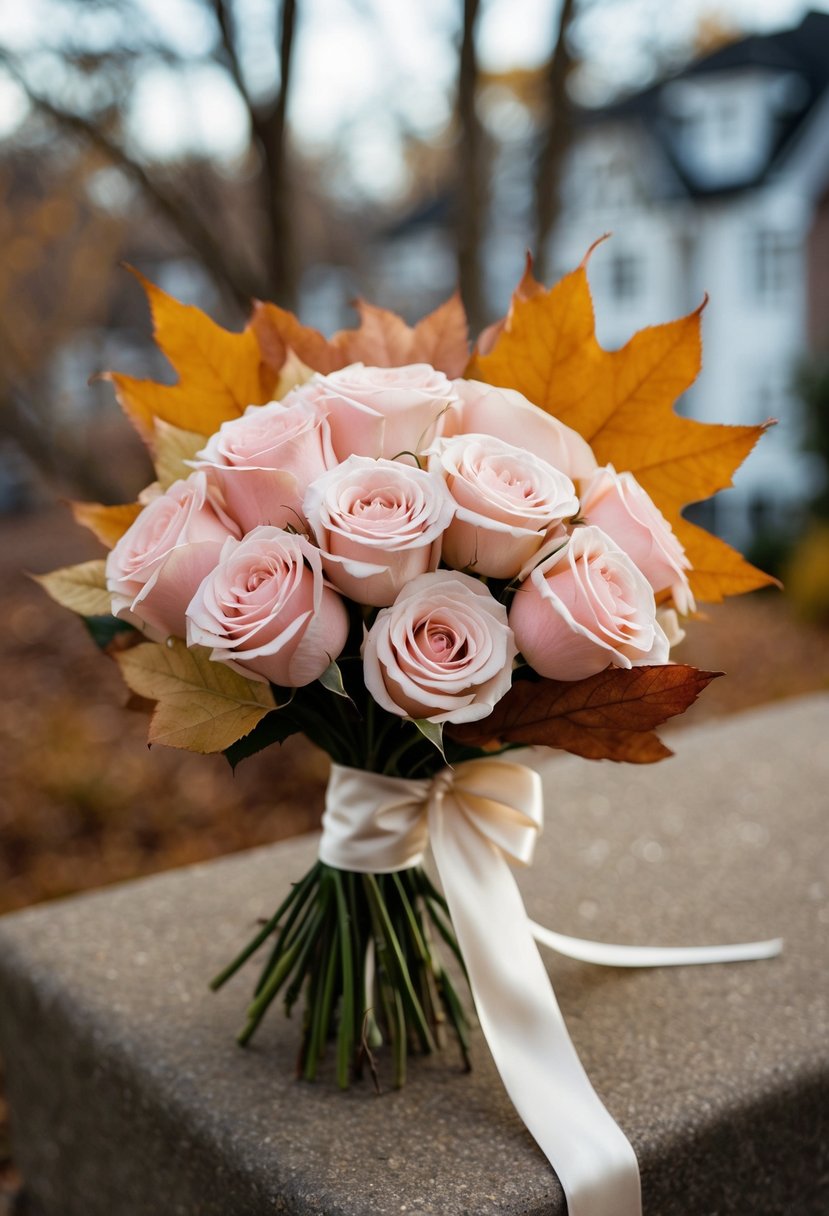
column 711, row 182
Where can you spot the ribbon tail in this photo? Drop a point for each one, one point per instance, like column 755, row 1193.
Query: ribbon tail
column 607, row 955
column 523, row 1025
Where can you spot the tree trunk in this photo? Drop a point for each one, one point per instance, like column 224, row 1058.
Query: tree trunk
column 555, row 140
column 470, row 204
column 270, row 135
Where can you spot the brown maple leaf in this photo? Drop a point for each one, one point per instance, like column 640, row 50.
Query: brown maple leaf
column 382, row 339
column 609, row 716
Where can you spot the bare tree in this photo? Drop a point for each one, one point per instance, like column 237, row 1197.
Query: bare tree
column 94, row 114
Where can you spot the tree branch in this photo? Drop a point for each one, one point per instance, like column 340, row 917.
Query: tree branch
column 233, row 64
column 222, row 267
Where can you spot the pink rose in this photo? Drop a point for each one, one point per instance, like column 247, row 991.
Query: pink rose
column 508, row 501
column 506, row 414
column 265, row 610
column 156, row 566
column 378, row 524
column 616, row 503
column 264, row 461
column 584, row 608
column 384, row 411
column 443, row 651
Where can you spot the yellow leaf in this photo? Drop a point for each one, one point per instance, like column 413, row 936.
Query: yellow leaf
column 219, row 373
column 172, row 447
column 622, row 403
column 80, row 588
column 202, row 706
column 108, row 523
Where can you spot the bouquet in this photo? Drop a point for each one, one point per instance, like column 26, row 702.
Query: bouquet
column 422, row 561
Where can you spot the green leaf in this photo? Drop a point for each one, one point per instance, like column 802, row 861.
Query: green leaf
column 433, row 731
column 274, row 728
column 81, row 588
column 201, row 705
column 332, row 679
column 173, row 447
column 105, row 629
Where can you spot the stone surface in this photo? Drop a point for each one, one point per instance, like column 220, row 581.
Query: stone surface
column 130, row 1098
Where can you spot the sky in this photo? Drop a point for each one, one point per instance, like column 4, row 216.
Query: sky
column 364, row 68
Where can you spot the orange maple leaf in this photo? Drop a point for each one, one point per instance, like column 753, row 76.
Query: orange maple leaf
column 382, row 339
column 622, row 403
column 107, row 523
column 219, row 373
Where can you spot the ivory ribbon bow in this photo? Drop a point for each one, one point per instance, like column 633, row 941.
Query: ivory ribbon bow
column 478, row 816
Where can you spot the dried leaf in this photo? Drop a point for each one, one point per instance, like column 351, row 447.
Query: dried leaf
column 172, row 447
column 382, row 339
column 609, row 716
column 107, row 523
column 622, row 403
column 219, row 373
column 201, row 705
column 80, row 588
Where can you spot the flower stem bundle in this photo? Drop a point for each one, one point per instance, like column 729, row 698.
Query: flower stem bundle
column 364, row 949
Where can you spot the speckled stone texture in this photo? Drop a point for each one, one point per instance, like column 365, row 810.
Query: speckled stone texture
column 130, row 1097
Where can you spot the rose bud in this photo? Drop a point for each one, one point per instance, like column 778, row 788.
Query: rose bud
column 265, row 610
column 507, row 414
column 378, row 524
column 584, row 608
column 384, row 411
column 507, row 502
column 443, row 651
column 264, row 461
column 156, row 566
column 616, row 503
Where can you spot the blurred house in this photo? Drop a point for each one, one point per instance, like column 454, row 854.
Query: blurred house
column 714, row 181
column 717, row 180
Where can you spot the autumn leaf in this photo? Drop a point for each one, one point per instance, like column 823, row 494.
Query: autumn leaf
column 622, row 403
column 200, row 705
column 609, row 716
column 80, row 588
column 219, row 373
column 382, row 339
column 107, row 523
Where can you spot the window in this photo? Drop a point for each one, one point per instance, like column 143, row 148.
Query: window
column 774, row 271
column 625, row 273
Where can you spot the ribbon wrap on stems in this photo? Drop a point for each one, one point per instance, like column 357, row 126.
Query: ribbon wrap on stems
column 478, row 817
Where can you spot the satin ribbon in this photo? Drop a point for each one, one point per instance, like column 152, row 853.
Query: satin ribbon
column 478, row 817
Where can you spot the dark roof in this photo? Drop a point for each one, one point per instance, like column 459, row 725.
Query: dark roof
column 803, row 50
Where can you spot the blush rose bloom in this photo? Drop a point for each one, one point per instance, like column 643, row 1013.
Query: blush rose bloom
column 383, row 411
column 507, row 503
column 378, row 524
column 584, row 608
column 156, row 566
column 266, row 611
column 507, row 414
column 264, row 461
column 443, row 651
column 616, row 503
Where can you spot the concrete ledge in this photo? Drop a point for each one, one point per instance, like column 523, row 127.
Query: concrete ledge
column 130, row 1098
